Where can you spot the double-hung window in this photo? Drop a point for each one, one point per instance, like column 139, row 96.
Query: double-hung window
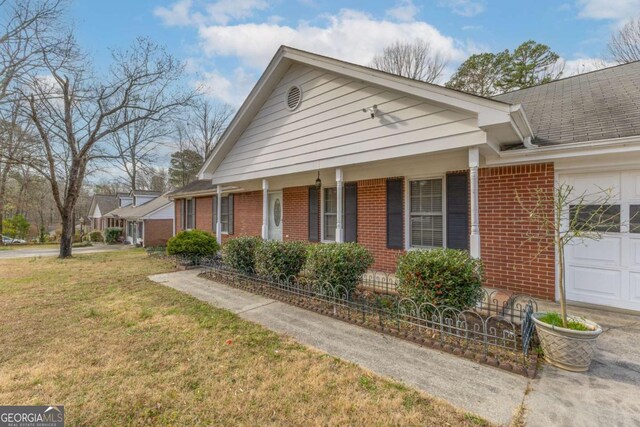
column 425, row 213
column 190, row 214
column 226, row 213
column 330, row 214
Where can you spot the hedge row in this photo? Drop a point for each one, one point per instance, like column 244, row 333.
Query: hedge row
column 437, row 276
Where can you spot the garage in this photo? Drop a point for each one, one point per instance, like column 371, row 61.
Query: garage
column 607, row 272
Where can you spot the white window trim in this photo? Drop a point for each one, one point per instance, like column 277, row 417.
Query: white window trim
column 186, row 214
column 407, row 210
column 322, row 239
column 224, row 233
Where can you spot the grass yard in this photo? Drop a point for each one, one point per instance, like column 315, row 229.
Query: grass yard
column 93, row 333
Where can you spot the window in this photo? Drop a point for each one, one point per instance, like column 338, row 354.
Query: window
column 190, row 214
column 634, row 218
column 595, row 218
column 226, row 213
column 330, row 213
column 425, row 222
column 224, row 216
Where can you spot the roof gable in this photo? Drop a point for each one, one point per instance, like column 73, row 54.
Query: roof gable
column 289, row 64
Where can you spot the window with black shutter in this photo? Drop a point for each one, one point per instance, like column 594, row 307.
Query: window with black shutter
column 350, row 212
column 314, row 215
column 394, row 214
column 457, row 211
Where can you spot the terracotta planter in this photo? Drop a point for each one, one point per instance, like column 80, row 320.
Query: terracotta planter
column 565, row 348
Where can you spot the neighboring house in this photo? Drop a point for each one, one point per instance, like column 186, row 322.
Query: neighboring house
column 101, row 204
column 323, row 150
column 147, row 218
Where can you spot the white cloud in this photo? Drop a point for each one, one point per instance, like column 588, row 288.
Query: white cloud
column 464, row 7
column 404, row 11
column 224, row 11
column 178, row 14
column 352, row 36
column 584, row 65
column 231, row 89
column 617, row 10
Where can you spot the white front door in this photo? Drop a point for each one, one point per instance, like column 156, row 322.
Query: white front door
column 607, row 272
column 275, row 216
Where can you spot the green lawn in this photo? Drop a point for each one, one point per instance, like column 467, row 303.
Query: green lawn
column 93, row 333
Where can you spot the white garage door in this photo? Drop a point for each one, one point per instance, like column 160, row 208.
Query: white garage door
column 607, row 272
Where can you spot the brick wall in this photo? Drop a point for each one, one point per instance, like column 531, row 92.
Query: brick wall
column 372, row 223
column 295, row 213
column 247, row 215
column 510, row 260
column 204, row 214
column 157, row 231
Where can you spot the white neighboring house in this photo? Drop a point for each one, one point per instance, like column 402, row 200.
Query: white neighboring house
column 148, row 220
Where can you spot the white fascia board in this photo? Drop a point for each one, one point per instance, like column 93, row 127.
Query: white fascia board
column 574, row 149
column 490, row 112
column 437, row 145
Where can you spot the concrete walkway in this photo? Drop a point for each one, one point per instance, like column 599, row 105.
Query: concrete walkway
column 29, row 252
column 607, row 395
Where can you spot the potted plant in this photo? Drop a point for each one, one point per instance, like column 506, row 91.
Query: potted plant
column 562, row 218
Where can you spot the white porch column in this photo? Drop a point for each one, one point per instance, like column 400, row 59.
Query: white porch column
column 219, row 214
column 340, row 207
column 265, row 209
column 474, row 162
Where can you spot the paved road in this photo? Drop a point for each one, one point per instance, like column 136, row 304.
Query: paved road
column 607, row 395
column 54, row 251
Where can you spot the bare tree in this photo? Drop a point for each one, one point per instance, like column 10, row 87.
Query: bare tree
column 624, row 45
column 75, row 112
column 206, row 124
column 22, row 22
column 564, row 216
column 415, row 60
column 135, row 146
column 16, row 143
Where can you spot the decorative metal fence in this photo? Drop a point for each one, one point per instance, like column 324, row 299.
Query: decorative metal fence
column 497, row 331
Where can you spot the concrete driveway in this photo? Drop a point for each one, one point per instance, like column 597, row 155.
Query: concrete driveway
column 607, row 395
column 29, row 252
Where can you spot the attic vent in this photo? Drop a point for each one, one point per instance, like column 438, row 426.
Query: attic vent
column 294, row 96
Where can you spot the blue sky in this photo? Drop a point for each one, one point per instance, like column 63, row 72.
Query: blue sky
column 227, row 43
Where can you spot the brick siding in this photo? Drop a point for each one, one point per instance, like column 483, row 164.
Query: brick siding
column 510, row 259
column 295, row 213
column 372, row 223
column 157, row 231
column 247, row 215
column 204, row 212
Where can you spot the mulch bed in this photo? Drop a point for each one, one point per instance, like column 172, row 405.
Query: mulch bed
column 360, row 313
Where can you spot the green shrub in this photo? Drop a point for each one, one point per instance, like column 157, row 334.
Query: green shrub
column 337, row 264
column 280, row 259
column 441, row 277
column 96, row 236
column 111, row 235
column 193, row 243
column 240, row 253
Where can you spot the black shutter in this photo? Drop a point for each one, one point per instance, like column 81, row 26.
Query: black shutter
column 230, row 206
column 314, row 214
column 351, row 212
column 214, row 213
column 394, row 214
column 184, row 214
column 457, row 211
column 194, row 215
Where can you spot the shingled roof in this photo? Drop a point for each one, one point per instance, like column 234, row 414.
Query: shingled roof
column 592, row 106
column 106, row 202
